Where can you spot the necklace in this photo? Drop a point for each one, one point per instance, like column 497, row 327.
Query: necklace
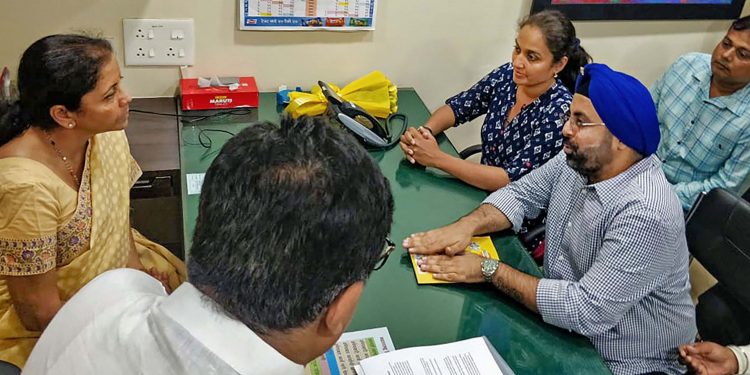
column 63, row 157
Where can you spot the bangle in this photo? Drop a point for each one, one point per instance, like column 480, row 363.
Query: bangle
column 428, row 129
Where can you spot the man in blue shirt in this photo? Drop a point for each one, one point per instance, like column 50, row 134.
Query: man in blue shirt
column 703, row 105
column 616, row 263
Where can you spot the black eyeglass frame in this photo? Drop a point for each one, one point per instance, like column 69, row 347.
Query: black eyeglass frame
column 389, row 247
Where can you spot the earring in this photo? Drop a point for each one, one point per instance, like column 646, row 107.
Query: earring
column 71, row 125
column 555, row 75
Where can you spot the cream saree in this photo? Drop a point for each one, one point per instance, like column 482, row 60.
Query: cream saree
column 45, row 225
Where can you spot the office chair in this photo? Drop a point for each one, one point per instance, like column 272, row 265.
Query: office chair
column 718, row 235
column 471, row 150
column 7, row 368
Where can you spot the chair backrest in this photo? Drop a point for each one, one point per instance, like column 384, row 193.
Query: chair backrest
column 718, row 235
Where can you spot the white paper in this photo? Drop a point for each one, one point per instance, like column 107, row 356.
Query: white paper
column 194, row 182
column 470, row 357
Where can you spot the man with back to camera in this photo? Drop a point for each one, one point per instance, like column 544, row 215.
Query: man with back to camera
column 291, row 222
column 616, row 266
column 703, row 105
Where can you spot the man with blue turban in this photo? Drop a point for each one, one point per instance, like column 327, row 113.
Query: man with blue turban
column 616, row 263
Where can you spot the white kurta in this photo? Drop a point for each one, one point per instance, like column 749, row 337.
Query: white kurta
column 123, row 322
column 742, row 353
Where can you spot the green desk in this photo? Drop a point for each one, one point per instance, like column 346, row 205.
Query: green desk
column 424, row 315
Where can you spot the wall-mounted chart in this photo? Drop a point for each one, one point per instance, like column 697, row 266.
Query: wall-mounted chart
column 307, row 15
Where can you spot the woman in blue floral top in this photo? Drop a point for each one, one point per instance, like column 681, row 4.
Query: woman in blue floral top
column 526, row 102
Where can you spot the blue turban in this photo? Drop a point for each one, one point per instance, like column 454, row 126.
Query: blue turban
column 624, row 104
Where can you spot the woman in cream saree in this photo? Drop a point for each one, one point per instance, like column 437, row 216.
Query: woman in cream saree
column 65, row 177
column 93, row 236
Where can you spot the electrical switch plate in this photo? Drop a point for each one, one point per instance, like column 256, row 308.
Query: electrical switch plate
column 158, row 41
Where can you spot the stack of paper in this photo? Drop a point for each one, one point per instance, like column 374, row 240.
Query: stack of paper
column 470, row 357
column 371, row 352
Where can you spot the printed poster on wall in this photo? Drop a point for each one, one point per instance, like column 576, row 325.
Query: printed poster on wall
column 299, row 15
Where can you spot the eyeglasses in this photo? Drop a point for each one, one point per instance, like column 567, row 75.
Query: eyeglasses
column 580, row 124
column 389, row 247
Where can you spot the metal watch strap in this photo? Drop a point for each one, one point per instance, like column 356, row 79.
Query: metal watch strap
column 489, row 267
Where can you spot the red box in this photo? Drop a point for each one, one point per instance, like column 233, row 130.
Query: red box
column 195, row 97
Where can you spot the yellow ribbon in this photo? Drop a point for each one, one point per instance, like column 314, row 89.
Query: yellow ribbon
column 374, row 92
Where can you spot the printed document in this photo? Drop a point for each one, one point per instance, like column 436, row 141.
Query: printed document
column 467, row 357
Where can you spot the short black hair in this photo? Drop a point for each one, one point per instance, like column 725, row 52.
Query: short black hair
column 289, row 217
column 741, row 24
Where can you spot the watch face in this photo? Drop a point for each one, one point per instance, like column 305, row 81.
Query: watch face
column 488, row 267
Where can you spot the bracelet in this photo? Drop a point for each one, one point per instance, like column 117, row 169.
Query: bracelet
column 428, row 129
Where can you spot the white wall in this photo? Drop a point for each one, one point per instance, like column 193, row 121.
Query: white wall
column 431, row 45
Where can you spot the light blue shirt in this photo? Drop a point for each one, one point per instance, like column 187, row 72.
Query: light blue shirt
column 704, row 141
column 616, row 261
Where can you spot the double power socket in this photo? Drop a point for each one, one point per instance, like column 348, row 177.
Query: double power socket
column 158, row 41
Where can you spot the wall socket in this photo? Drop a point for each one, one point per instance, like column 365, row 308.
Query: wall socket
column 158, row 41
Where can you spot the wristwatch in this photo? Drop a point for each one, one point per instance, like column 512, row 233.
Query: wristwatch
column 489, row 266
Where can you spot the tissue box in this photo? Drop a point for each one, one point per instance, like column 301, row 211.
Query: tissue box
column 195, row 97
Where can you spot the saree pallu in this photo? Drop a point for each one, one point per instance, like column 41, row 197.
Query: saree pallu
column 45, row 225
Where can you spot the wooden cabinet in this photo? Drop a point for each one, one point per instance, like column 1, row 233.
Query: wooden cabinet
column 155, row 199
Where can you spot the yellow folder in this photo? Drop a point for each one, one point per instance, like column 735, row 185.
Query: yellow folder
column 481, row 246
